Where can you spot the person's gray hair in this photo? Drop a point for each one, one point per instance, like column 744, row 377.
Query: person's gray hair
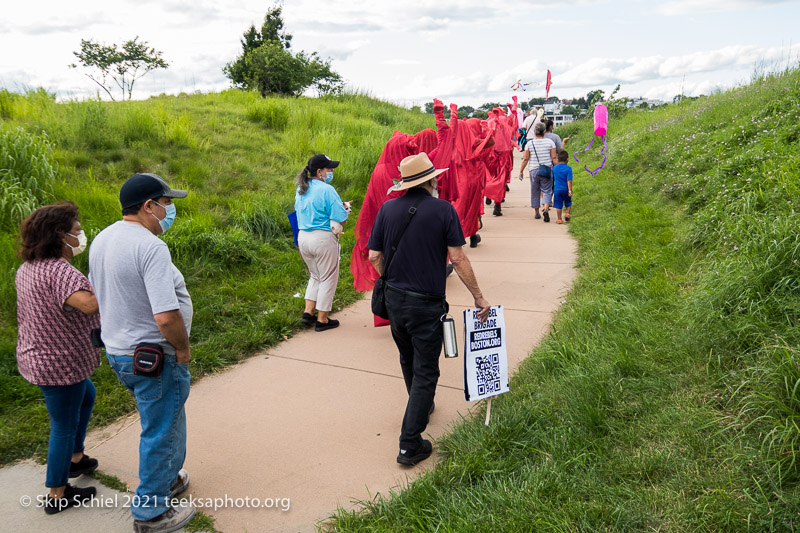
column 539, row 128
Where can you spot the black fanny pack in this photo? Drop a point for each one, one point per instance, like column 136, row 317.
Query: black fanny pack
column 148, row 360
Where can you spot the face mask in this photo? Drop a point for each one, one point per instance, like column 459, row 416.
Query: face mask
column 169, row 217
column 328, row 177
column 82, row 240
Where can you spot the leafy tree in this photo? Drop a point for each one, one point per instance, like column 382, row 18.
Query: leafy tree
column 124, row 65
column 268, row 65
column 569, row 110
column 490, row 105
column 429, row 108
column 480, row 113
column 524, row 106
column 592, row 97
column 536, row 101
column 465, row 111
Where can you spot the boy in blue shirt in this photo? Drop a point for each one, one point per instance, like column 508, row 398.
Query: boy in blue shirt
column 562, row 186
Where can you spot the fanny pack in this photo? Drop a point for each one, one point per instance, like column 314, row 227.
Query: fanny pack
column 148, row 360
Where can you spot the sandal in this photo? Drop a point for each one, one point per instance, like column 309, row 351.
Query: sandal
column 559, row 221
column 566, row 217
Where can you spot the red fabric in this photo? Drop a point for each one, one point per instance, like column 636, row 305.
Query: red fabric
column 400, row 146
column 470, row 177
column 379, row 322
column 547, row 87
column 426, row 141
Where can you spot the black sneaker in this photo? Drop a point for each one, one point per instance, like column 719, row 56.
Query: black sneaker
column 537, row 216
column 474, row 240
column 86, row 465
column 488, row 201
column 323, row 326
column 308, row 319
column 412, row 457
column 72, row 497
column 507, row 187
column 546, row 216
column 497, row 212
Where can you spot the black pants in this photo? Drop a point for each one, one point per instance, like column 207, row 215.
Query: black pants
column 417, row 332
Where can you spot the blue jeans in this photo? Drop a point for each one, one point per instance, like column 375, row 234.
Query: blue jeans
column 417, row 332
column 69, row 407
column 162, row 443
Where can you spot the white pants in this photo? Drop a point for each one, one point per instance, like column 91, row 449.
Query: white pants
column 320, row 250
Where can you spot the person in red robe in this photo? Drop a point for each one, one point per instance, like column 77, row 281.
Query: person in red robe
column 400, row 146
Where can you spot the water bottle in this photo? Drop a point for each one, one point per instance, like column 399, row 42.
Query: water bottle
column 449, row 336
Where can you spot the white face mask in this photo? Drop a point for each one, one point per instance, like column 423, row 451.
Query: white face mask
column 82, row 240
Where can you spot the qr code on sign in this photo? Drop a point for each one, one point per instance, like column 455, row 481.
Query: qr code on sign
column 487, row 372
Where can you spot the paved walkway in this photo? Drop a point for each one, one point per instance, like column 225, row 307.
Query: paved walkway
column 315, row 420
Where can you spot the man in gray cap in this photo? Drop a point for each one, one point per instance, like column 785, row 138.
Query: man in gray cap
column 145, row 308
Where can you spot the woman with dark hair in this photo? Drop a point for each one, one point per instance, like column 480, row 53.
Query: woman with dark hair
column 56, row 311
column 320, row 215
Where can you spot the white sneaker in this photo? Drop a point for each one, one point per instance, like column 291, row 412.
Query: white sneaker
column 174, row 519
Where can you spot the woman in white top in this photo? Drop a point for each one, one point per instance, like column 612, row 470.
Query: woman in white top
column 544, row 155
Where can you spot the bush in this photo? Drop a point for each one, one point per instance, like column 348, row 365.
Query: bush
column 27, row 174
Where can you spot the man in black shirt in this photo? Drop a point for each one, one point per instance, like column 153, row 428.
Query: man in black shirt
column 415, row 288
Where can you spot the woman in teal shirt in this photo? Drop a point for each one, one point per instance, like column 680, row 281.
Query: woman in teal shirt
column 320, row 215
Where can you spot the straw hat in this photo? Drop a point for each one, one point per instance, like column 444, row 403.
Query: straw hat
column 416, row 170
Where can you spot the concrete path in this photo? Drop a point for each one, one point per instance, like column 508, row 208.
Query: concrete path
column 313, row 423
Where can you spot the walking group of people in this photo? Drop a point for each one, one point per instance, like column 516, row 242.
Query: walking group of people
column 424, row 198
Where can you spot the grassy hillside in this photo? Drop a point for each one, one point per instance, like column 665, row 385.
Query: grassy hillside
column 237, row 154
column 667, row 396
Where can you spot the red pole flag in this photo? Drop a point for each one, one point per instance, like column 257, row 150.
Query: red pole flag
column 547, row 87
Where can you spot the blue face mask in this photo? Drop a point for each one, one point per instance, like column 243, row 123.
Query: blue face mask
column 328, row 177
column 169, row 217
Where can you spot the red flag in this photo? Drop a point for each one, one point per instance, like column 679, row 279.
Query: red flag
column 547, row 87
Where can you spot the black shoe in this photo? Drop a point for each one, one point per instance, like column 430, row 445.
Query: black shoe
column 308, row 319
column 488, row 201
column 507, row 187
column 86, row 465
column 330, row 324
column 503, row 201
column 474, row 240
column 537, row 216
column 412, row 457
column 449, row 268
column 546, row 216
column 497, row 212
column 72, row 497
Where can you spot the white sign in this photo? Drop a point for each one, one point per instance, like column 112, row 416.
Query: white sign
column 485, row 356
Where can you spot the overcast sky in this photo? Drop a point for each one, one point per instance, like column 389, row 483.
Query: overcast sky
column 410, row 51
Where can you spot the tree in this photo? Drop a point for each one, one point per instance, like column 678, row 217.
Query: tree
column 465, row 111
column 268, row 65
column 490, row 105
column 569, row 110
column 480, row 113
column 429, row 108
column 123, row 65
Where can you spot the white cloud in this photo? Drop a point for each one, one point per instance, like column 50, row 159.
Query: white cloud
column 399, row 62
column 692, row 7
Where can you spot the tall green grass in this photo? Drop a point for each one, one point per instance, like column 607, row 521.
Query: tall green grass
column 237, row 154
column 667, row 395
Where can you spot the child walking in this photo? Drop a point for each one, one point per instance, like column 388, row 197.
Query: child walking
column 562, row 187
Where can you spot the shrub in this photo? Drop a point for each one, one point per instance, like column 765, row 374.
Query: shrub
column 27, row 174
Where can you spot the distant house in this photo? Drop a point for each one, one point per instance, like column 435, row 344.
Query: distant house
column 553, row 109
column 637, row 102
column 560, row 120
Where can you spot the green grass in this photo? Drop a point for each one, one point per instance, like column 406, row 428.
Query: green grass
column 238, row 155
column 667, row 395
